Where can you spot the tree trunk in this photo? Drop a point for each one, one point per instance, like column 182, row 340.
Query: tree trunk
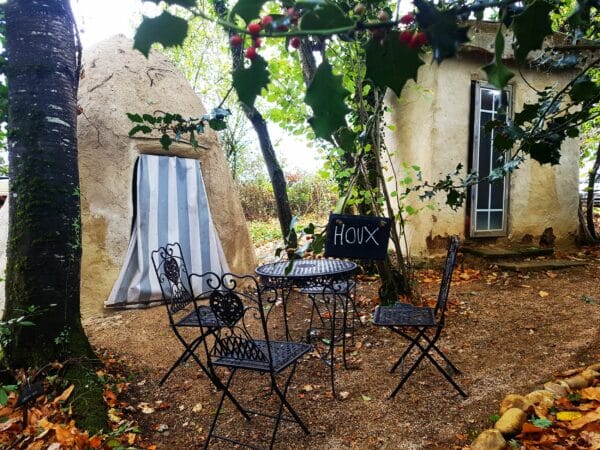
column 44, row 242
column 284, row 211
column 589, row 213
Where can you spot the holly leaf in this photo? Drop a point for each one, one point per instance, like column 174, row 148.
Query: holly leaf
column 584, row 89
column 528, row 114
column 391, row 63
column 247, row 9
column 326, row 95
column 249, row 81
column 444, row 35
column 497, row 73
column 530, row 28
column 543, row 152
column 541, row 422
column 165, row 29
column 165, row 141
column 184, row 3
column 327, row 16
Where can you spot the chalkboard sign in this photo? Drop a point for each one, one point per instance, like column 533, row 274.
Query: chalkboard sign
column 361, row 237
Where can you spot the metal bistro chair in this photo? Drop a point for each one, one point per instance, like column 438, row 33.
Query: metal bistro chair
column 182, row 307
column 238, row 302
column 401, row 318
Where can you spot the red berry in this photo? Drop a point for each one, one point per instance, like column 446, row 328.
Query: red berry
column 405, row 37
column 418, row 39
column 282, row 27
column 407, row 18
column 295, row 42
column 383, row 16
column 266, row 21
column 236, row 40
column 257, row 42
column 254, row 28
column 251, row 53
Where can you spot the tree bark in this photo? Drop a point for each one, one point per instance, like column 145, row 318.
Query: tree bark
column 44, row 242
column 589, row 213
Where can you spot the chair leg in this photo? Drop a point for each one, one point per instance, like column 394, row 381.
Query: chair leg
column 184, row 356
column 284, row 401
column 227, row 394
column 425, row 353
column 413, row 342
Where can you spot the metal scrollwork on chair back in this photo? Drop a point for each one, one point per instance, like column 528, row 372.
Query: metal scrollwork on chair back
column 238, row 347
column 227, row 307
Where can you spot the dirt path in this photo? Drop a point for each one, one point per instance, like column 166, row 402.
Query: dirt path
column 508, row 333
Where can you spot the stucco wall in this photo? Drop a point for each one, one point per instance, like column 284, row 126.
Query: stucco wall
column 432, row 120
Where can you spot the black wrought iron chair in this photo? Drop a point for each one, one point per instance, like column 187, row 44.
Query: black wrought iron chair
column 238, row 302
column 184, row 310
column 414, row 322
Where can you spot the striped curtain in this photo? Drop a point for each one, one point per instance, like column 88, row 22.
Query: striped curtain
column 171, row 206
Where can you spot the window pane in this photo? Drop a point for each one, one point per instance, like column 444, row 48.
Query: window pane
column 496, row 220
column 482, row 221
column 483, row 196
column 497, row 194
column 487, row 99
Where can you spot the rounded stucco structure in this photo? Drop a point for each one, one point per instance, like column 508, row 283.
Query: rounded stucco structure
column 117, row 80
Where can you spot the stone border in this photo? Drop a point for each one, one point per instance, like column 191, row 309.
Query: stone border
column 514, row 408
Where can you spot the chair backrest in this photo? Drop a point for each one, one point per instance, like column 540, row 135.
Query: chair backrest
column 237, row 301
column 172, row 275
column 440, row 306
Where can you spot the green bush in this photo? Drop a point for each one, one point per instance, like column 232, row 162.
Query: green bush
column 309, row 195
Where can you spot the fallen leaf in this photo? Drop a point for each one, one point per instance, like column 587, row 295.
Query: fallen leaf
column 307, row 388
column 366, row 398
column 584, row 420
column 550, row 274
column 567, row 416
column 344, row 395
column 543, row 294
column 145, row 408
column 197, row 408
column 591, row 393
column 65, row 395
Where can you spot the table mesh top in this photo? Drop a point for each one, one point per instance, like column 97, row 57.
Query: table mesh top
column 307, row 268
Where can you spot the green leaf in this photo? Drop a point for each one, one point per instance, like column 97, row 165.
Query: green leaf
column 149, row 118
column 544, row 152
column 140, row 128
column 346, row 138
column 3, row 397
column 497, row 73
column 184, row 3
column 326, row 17
column 391, row 63
column 247, row 9
column 135, row 117
column 165, row 29
column 326, row 96
column 583, row 89
column 249, row 82
column 541, row 422
column 217, row 124
column 528, row 114
column 530, row 28
column 165, row 141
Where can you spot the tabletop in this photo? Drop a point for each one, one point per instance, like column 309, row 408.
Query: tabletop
column 306, row 271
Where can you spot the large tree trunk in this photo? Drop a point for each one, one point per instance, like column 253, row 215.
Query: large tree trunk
column 589, row 213
column 44, row 244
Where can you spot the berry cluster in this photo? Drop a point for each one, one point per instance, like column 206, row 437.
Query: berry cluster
column 266, row 23
column 409, row 34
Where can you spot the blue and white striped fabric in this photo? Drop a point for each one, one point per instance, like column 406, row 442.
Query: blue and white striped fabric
column 171, row 207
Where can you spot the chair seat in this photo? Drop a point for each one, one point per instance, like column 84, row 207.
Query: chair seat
column 342, row 287
column 404, row 314
column 284, row 353
column 207, row 318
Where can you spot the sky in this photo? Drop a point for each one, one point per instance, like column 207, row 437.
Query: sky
column 100, row 19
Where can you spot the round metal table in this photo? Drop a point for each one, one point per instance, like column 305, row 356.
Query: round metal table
column 327, row 280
